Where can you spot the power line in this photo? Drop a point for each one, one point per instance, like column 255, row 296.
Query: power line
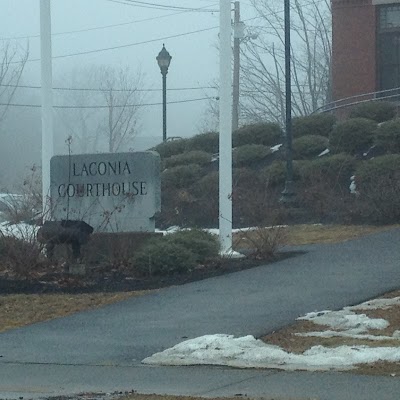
column 94, row 28
column 122, row 46
column 132, row 44
column 106, row 106
column 101, row 27
column 107, row 90
column 157, row 6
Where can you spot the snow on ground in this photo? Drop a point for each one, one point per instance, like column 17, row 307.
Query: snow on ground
column 20, row 231
column 248, row 352
column 345, row 320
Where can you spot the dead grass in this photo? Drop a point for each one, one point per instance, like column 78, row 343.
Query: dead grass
column 20, row 309
column 288, row 340
column 167, row 397
column 309, row 234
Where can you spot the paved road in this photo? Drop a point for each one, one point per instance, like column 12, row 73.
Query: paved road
column 57, row 356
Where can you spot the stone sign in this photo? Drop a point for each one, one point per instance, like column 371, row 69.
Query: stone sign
column 113, row 192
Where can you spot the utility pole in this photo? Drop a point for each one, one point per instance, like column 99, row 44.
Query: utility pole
column 237, row 37
column 47, row 102
column 225, row 127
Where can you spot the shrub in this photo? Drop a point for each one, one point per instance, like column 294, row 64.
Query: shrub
column 191, row 157
column 267, row 134
column 203, row 245
column 378, row 111
column 249, row 154
column 19, row 256
column 337, row 168
column 373, row 170
column 161, row 257
column 264, row 242
column 275, row 174
column 378, row 182
column 245, row 177
column 352, row 136
column 204, row 211
column 171, row 147
column 180, row 176
column 309, row 146
column 388, row 136
column 208, row 142
column 315, row 124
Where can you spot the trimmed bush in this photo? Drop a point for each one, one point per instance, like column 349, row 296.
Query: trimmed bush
column 203, row 245
column 275, row 174
column 309, row 146
column 191, row 157
column 267, row 134
column 180, row 176
column 249, row 154
column 337, row 168
column 352, row 136
column 378, row 182
column 371, row 171
column 171, row 147
column 176, row 253
column 315, row 124
column 378, row 111
column 161, row 257
column 208, row 142
column 388, row 136
column 245, row 177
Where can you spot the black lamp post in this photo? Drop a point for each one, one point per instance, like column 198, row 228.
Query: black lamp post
column 163, row 60
column 288, row 194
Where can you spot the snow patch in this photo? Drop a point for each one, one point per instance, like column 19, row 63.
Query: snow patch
column 248, row 352
column 20, row 231
column 345, row 319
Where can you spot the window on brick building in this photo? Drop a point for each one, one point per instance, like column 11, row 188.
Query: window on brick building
column 389, row 46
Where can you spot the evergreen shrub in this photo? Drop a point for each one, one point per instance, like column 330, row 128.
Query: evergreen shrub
column 208, row 142
column 275, row 174
column 378, row 185
column 371, row 171
column 249, row 154
column 176, row 253
column 309, row 146
column 161, row 257
column 314, row 124
column 202, row 244
column 171, row 147
column 267, row 134
column 180, row 176
column 388, row 136
column 337, row 168
column 353, row 136
column 191, row 157
column 378, row 111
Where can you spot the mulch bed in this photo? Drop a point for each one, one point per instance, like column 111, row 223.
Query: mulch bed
column 103, row 278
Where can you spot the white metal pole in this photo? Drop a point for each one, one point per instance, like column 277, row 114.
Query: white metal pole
column 225, row 127
column 47, row 102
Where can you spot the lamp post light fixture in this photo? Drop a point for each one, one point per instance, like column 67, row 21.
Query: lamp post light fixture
column 163, row 60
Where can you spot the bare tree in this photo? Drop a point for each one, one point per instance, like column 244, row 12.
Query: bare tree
column 12, row 62
column 121, row 94
column 106, row 111
column 263, row 61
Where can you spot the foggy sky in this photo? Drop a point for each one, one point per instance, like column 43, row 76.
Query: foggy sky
column 194, row 62
column 194, row 57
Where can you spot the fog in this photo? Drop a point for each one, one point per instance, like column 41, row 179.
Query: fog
column 136, row 32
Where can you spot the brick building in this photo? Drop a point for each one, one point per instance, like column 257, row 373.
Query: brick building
column 365, row 46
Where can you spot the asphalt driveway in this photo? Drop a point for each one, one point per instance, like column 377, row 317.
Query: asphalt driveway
column 255, row 302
